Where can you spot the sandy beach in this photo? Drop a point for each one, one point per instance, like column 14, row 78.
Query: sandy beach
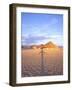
column 33, row 65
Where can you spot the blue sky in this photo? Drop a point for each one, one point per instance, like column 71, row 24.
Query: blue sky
column 37, row 28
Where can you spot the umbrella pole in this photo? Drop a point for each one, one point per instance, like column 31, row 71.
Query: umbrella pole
column 42, row 62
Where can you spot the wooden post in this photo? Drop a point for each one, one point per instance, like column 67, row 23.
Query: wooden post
column 42, row 61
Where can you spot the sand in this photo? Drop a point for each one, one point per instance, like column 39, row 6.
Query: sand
column 33, row 64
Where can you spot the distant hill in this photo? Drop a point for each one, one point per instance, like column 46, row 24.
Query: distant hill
column 47, row 45
column 50, row 45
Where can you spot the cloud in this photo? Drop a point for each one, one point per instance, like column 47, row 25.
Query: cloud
column 33, row 39
column 39, row 39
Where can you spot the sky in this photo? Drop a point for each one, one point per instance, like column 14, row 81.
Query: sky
column 37, row 28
